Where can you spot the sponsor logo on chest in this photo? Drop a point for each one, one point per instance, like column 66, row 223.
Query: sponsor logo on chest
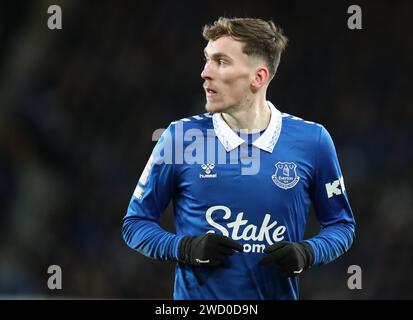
column 269, row 232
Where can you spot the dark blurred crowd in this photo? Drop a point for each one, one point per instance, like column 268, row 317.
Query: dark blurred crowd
column 78, row 107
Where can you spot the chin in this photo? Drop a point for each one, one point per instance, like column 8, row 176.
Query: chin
column 214, row 107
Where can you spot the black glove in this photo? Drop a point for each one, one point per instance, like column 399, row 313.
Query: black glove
column 207, row 250
column 292, row 258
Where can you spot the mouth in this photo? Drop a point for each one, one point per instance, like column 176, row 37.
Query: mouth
column 210, row 92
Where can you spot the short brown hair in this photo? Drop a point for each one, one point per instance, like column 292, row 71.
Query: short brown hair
column 261, row 38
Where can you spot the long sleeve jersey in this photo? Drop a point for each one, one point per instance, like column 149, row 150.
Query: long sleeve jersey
column 254, row 188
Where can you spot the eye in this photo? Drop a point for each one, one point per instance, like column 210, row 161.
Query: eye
column 221, row 62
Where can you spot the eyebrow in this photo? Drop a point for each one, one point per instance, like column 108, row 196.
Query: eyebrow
column 217, row 55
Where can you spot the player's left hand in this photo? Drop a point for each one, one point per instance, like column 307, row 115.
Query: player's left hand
column 292, row 258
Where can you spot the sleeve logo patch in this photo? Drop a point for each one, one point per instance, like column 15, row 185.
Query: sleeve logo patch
column 335, row 188
column 138, row 193
column 144, row 176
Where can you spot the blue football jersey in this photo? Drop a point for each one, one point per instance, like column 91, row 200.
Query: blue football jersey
column 255, row 188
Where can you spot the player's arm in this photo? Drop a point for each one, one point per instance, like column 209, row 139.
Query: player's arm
column 141, row 230
column 331, row 205
column 333, row 213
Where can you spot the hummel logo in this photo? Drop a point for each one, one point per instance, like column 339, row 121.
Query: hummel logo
column 208, row 167
column 299, row 271
column 202, row 261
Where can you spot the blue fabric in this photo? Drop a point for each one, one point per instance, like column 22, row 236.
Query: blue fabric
column 255, row 210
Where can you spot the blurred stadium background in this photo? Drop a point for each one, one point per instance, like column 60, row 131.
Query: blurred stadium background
column 78, row 107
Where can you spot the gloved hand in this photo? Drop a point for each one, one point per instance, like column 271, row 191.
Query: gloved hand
column 207, row 250
column 292, row 258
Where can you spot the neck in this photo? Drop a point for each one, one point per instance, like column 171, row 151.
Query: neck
column 252, row 117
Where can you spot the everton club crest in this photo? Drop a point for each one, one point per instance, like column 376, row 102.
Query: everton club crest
column 285, row 175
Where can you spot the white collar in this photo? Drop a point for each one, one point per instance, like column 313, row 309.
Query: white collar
column 230, row 140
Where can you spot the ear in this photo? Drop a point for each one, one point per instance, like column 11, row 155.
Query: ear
column 260, row 79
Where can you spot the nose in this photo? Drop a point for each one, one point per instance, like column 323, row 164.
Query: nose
column 206, row 72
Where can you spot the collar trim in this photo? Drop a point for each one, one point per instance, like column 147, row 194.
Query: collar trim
column 267, row 141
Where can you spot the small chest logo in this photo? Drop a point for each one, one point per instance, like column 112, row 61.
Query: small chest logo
column 285, row 175
column 207, row 167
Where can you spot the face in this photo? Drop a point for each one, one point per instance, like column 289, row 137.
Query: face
column 228, row 74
